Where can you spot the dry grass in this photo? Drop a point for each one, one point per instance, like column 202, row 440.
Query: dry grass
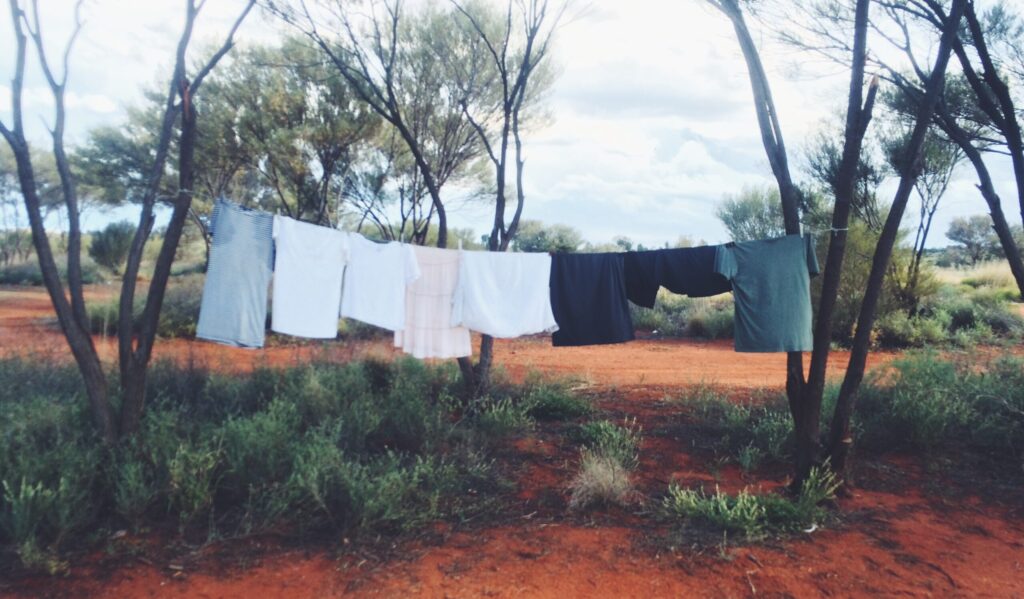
column 602, row 480
column 995, row 273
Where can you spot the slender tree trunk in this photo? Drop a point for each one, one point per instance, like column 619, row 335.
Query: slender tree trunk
column 858, row 115
column 77, row 336
column 988, row 192
column 133, row 379
column 840, row 440
column 1000, row 91
column 805, row 424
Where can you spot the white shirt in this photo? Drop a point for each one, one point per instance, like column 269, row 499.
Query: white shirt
column 428, row 330
column 308, row 269
column 504, row 294
column 375, row 281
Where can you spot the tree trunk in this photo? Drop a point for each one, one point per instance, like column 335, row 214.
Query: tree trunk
column 78, row 336
column 858, row 115
column 988, row 192
column 133, row 378
column 840, row 440
column 1000, row 91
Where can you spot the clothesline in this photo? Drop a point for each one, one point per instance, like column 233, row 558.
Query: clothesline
column 431, row 298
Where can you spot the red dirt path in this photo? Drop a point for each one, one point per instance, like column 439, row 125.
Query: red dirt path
column 897, row 539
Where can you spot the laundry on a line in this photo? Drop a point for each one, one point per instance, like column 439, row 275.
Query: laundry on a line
column 431, row 298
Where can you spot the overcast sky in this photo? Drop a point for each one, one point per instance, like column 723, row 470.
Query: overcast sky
column 652, row 125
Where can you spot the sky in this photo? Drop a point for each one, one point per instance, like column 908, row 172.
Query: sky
column 652, row 117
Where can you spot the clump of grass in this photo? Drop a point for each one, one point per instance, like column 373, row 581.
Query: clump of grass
column 752, row 516
column 750, row 429
column 610, row 454
column 554, row 401
column 601, row 481
column 621, row 443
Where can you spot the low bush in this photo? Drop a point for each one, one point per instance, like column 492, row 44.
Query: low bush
column 748, row 429
column 28, row 273
column 364, row 448
column 953, row 317
column 680, row 316
column 553, row 401
column 712, row 321
column 179, row 314
column 752, row 516
column 621, row 443
column 924, row 402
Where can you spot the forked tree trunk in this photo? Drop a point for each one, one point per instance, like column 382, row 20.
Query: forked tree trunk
column 133, row 379
column 858, row 115
column 840, row 440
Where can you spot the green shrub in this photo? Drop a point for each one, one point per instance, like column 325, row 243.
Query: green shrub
column 257, row 449
column 496, row 418
column 109, row 247
column 28, row 273
column 752, row 516
column 134, row 489
column 552, row 401
column 924, row 402
column 192, row 475
column 179, row 313
column 620, row 443
column 750, row 429
column 364, row 448
column 713, row 322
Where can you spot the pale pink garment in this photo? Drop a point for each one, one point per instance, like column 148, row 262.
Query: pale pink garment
column 428, row 331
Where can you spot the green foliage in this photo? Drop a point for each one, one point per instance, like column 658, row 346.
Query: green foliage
column 752, row 516
column 535, row 236
column 712, row 321
column 924, row 402
column 680, row 316
column 953, row 316
column 361, row 448
column 620, row 443
column 497, row 418
column 553, row 401
column 749, row 429
column 28, row 273
column 109, row 247
column 179, row 313
column 756, row 213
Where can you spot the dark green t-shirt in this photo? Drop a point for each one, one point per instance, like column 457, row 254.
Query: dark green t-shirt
column 771, row 292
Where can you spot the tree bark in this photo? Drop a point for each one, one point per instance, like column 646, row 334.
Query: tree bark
column 858, row 115
column 805, row 426
column 988, row 192
column 133, row 379
column 70, row 314
column 840, row 440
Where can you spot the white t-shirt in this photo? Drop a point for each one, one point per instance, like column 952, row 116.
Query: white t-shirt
column 504, row 294
column 308, row 269
column 375, row 281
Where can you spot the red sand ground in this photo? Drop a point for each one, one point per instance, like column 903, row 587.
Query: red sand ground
column 898, row 539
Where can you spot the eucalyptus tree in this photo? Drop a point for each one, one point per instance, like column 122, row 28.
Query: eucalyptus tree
column 501, row 66
column 835, row 19
column 179, row 117
column 838, row 30
column 385, row 53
